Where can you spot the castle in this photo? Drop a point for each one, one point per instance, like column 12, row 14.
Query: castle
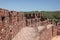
column 11, row 22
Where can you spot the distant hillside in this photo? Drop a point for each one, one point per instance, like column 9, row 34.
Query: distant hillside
column 52, row 15
column 49, row 14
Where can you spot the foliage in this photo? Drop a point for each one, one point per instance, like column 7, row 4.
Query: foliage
column 48, row 14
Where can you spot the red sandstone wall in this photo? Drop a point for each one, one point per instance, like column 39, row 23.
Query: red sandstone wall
column 58, row 28
column 4, row 24
column 11, row 22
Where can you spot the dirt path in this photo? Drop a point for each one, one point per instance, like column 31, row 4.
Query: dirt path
column 27, row 33
column 56, row 38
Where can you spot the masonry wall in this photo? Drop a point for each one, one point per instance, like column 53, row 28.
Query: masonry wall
column 4, row 31
column 11, row 22
column 58, row 28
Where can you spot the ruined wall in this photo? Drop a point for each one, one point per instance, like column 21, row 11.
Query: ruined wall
column 11, row 22
column 58, row 28
column 36, row 21
column 4, row 24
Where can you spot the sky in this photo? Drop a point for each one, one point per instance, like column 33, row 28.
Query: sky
column 31, row 5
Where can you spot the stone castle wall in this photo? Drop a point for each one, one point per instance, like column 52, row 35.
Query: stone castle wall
column 11, row 22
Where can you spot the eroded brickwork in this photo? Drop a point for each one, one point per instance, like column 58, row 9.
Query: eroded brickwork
column 11, row 22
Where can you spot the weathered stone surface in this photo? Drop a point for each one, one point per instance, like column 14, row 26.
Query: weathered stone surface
column 12, row 22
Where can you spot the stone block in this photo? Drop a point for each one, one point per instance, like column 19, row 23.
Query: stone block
column 4, row 12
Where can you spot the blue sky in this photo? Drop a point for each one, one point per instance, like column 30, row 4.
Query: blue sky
column 31, row 5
